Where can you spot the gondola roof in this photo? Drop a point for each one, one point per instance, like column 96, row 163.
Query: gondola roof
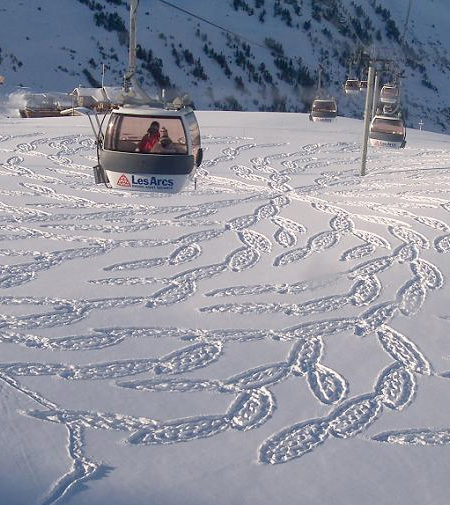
column 147, row 110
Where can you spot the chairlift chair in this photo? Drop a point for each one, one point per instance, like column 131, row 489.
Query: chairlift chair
column 323, row 109
column 387, row 131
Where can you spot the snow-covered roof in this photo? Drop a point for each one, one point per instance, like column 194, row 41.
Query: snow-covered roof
column 97, row 93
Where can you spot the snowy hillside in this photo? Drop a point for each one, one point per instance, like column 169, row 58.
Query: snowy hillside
column 278, row 335
column 234, row 54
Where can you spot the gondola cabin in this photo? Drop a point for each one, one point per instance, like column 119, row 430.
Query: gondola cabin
column 389, row 94
column 149, row 149
column 363, row 85
column 351, row 87
column 323, row 109
column 387, row 131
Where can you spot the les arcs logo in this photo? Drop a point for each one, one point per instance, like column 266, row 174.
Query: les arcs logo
column 123, row 181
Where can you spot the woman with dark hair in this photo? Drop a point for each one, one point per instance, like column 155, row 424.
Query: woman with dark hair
column 150, row 138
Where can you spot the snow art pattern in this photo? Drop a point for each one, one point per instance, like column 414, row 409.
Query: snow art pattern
column 272, row 184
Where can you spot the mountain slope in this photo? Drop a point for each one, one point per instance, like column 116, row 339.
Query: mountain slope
column 235, row 54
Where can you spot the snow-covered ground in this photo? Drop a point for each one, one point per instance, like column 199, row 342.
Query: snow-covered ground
column 279, row 335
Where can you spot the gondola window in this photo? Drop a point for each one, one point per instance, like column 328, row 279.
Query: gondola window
column 126, row 131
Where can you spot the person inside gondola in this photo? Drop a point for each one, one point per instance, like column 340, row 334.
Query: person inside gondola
column 149, row 140
column 166, row 144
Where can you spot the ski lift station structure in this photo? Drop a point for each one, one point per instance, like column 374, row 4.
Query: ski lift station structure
column 165, row 168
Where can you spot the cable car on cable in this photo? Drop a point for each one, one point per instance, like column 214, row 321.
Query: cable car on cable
column 149, row 149
column 389, row 94
column 363, row 85
column 147, row 145
column 388, row 131
column 323, row 109
column 351, row 87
